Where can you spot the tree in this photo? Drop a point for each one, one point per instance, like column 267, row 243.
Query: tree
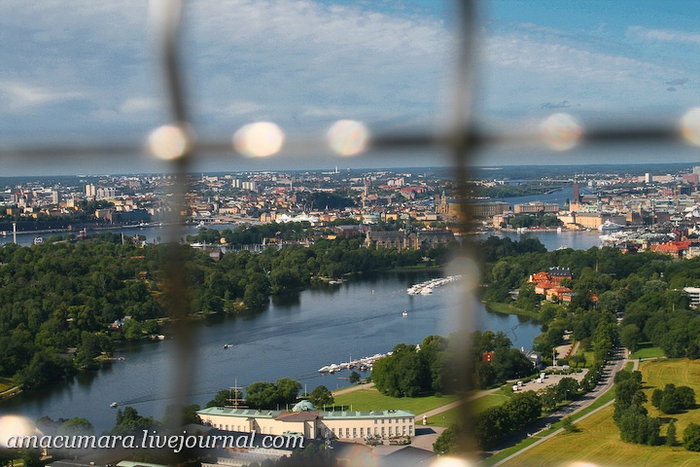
column 129, row 422
column 549, row 398
column 671, row 434
column 686, row 396
column 76, row 426
column 220, row 400
column 354, row 377
column 261, row 395
column 671, row 403
column 691, row 437
column 176, row 415
column 287, row 390
column 447, row 441
column 630, row 336
column 484, row 374
column 265, row 395
column 511, row 363
column 567, row 388
column 569, row 426
column 321, row 396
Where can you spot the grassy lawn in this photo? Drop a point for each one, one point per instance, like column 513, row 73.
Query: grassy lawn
column 371, row 399
column 602, row 400
column 599, row 442
column 445, row 418
column 507, row 308
column 451, row 416
column 647, row 351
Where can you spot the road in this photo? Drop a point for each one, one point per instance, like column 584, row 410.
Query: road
column 356, row 387
column 618, row 363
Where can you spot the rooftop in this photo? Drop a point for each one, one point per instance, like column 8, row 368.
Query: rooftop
column 290, row 416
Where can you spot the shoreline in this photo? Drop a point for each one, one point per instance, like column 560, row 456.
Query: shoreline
column 508, row 309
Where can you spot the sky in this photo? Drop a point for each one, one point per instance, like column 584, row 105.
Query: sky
column 87, row 72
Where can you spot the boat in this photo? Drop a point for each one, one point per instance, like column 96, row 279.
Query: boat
column 426, row 291
column 38, row 240
column 226, row 346
column 404, row 314
column 608, row 226
column 113, row 405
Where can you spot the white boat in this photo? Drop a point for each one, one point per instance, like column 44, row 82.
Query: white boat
column 38, row 240
column 404, row 314
column 113, row 405
column 610, row 227
column 426, row 291
column 226, row 346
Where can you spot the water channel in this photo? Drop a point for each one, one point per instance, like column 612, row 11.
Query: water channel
column 293, row 338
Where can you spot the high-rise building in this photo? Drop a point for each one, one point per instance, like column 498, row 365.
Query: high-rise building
column 90, row 191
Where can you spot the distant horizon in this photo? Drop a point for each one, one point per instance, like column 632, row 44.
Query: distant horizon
column 561, row 168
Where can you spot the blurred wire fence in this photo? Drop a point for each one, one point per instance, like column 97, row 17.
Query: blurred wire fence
column 175, row 142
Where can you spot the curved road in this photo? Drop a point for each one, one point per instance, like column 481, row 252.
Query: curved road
column 618, row 363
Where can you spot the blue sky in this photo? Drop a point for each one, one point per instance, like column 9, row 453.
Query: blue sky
column 84, row 70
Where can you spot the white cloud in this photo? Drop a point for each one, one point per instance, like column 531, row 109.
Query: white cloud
column 139, row 105
column 243, row 59
column 525, row 67
column 296, row 57
column 20, row 97
column 664, row 35
column 553, row 59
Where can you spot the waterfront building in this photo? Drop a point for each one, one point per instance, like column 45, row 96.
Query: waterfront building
column 401, row 240
column 479, row 209
column 535, row 206
column 305, row 420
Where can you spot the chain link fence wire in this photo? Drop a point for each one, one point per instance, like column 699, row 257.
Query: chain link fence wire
column 461, row 139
